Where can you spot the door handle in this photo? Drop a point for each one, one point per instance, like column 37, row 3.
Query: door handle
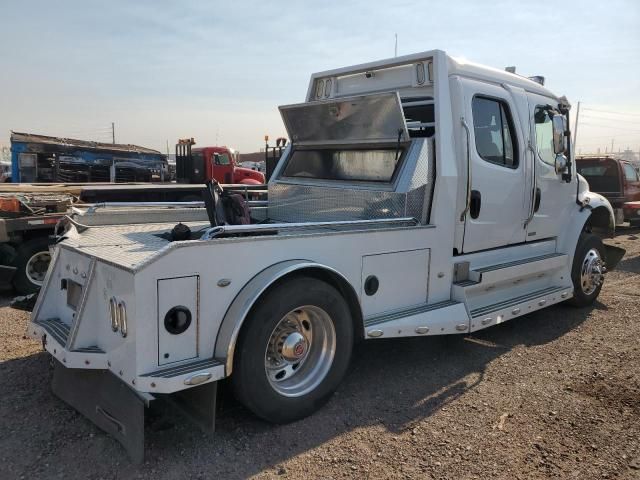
column 536, row 203
column 475, row 204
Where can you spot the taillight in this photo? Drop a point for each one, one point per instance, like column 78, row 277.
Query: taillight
column 122, row 310
column 118, row 316
column 113, row 312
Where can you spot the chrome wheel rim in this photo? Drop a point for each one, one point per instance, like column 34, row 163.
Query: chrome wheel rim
column 37, row 266
column 300, row 351
column 592, row 272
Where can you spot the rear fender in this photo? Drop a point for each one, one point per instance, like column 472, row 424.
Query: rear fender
column 245, row 300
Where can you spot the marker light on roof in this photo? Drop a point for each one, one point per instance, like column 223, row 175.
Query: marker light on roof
column 327, row 87
column 420, row 73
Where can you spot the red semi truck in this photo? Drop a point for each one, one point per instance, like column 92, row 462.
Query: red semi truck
column 198, row 165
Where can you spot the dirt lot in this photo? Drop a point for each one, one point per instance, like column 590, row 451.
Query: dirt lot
column 555, row 394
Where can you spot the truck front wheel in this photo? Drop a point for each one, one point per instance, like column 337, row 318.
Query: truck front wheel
column 293, row 351
column 31, row 262
column 587, row 272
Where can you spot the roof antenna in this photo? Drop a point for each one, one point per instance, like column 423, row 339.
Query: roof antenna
column 395, row 54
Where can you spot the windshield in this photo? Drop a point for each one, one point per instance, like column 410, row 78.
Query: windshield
column 370, row 165
column 223, row 159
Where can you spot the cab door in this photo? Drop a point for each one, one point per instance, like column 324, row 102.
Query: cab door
column 496, row 156
column 553, row 198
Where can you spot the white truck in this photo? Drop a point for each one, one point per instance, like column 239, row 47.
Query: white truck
column 420, row 195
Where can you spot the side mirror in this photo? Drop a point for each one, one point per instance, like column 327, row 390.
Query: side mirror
column 216, row 159
column 559, row 137
column 561, row 163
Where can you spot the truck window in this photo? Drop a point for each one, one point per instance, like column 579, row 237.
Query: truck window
column 493, row 131
column 630, row 173
column 544, row 135
column 419, row 113
column 351, row 165
column 223, row 159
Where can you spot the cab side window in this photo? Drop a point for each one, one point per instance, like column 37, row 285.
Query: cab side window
column 544, row 135
column 493, row 131
column 630, row 173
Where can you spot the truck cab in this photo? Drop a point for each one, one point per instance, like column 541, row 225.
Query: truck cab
column 419, row 195
column 199, row 165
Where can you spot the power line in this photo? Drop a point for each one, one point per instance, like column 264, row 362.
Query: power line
column 610, row 112
column 615, row 135
column 609, row 126
column 617, row 120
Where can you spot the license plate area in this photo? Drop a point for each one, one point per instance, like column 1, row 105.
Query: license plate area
column 74, row 293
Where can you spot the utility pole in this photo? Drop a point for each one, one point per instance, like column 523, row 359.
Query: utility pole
column 612, row 146
column 395, row 51
column 113, row 133
column 575, row 129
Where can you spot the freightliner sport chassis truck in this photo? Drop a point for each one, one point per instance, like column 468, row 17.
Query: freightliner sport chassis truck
column 420, row 195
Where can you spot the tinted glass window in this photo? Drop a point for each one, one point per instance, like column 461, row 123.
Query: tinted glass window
column 330, row 164
column 593, row 171
column 602, row 175
column 544, row 136
column 630, row 173
column 418, row 115
column 223, row 159
column 493, row 131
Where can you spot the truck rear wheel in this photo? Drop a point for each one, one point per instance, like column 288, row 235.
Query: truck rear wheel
column 587, row 272
column 293, row 351
column 31, row 262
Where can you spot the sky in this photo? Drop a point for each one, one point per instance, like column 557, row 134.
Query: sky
column 217, row 71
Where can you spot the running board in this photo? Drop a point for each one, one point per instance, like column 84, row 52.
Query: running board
column 500, row 312
column 519, row 268
column 441, row 318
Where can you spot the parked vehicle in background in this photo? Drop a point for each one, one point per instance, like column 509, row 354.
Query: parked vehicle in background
column 420, row 195
column 199, row 165
column 632, row 213
column 45, row 159
column 5, row 172
column 29, row 214
column 615, row 179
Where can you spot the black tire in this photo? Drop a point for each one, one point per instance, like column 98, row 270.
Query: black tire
column 586, row 242
column 23, row 281
column 251, row 384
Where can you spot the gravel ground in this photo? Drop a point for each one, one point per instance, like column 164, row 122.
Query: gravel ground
column 555, row 394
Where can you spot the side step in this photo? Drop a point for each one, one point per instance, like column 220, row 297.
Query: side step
column 434, row 319
column 55, row 328
column 518, row 268
column 179, row 377
column 486, row 285
column 499, row 312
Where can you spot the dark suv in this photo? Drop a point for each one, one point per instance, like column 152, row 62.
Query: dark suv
column 617, row 180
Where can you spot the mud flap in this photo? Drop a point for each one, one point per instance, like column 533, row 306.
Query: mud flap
column 107, row 402
column 198, row 405
column 613, row 256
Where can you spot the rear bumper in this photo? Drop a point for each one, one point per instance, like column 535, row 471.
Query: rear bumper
column 54, row 335
column 631, row 211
